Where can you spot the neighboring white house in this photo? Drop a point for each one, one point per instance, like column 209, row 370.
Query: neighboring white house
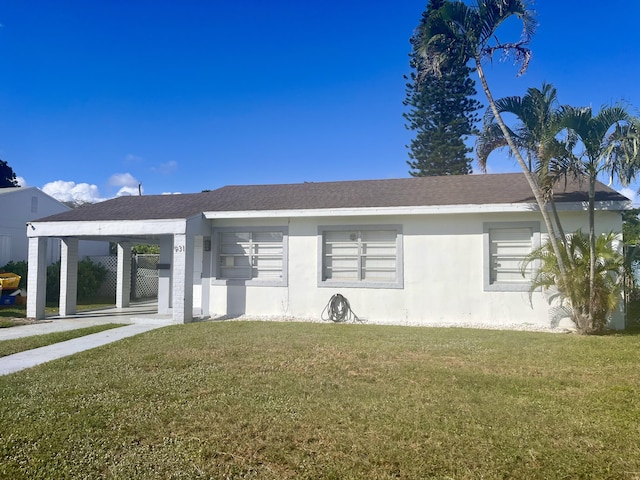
column 413, row 251
column 18, row 207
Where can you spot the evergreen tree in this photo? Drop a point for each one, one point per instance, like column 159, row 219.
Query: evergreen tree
column 7, row 176
column 442, row 110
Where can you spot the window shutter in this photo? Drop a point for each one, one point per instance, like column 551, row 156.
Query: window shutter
column 360, row 256
column 378, row 256
column 509, row 247
column 251, row 255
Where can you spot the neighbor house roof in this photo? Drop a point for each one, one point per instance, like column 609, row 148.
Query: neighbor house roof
column 406, row 192
column 6, row 190
column 11, row 190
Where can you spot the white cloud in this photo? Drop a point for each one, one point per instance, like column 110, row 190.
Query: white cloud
column 630, row 194
column 79, row 193
column 129, row 191
column 131, row 158
column 123, row 180
column 166, row 168
column 21, row 181
column 129, row 185
column 73, row 192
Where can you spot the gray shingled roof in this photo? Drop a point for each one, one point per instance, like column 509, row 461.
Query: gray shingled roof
column 405, row 192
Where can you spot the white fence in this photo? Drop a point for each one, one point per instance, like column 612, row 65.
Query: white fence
column 144, row 275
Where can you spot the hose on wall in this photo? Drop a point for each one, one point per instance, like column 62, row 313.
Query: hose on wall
column 339, row 310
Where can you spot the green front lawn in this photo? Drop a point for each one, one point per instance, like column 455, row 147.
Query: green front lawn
column 262, row 400
column 9, row 347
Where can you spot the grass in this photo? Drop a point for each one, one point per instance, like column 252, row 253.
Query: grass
column 9, row 347
column 259, row 400
column 8, row 322
column 20, row 311
column 13, row 311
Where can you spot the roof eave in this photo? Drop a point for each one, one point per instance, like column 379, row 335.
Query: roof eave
column 105, row 228
column 411, row 210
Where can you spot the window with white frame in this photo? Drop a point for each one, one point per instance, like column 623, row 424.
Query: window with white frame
column 252, row 255
column 506, row 247
column 361, row 256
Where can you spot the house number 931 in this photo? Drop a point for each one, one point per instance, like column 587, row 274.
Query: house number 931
column 179, row 248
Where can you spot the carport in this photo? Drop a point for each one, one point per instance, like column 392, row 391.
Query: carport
column 175, row 223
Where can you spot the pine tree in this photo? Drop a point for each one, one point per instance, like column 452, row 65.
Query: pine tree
column 7, row 176
column 442, row 111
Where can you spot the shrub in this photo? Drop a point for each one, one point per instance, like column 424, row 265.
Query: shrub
column 590, row 313
column 90, row 277
column 53, row 281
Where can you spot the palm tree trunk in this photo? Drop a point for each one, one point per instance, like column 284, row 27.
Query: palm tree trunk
column 592, row 246
column 560, row 231
column 556, row 218
column 535, row 188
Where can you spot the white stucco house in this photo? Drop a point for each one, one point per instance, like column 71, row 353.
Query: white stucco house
column 21, row 205
column 413, row 251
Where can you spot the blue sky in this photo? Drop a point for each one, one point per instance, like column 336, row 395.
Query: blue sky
column 96, row 97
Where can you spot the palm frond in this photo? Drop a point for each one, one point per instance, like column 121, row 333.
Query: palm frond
column 576, row 118
column 610, row 269
column 534, row 134
column 611, row 139
column 620, row 154
column 470, row 32
column 513, row 104
column 490, row 138
column 492, row 14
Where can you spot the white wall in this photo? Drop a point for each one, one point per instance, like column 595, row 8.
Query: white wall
column 23, row 205
column 443, row 274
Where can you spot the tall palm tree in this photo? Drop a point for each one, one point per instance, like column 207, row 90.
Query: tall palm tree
column 538, row 115
column 607, row 143
column 471, row 31
column 537, row 112
column 590, row 145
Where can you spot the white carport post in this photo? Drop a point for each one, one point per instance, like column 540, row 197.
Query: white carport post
column 68, row 276
column 123, row 286
column 205, row 280
column 37, row 278
column 164, row 275
column 182, row 276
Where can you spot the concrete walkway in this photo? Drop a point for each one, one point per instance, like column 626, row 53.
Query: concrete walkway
column 139, row 318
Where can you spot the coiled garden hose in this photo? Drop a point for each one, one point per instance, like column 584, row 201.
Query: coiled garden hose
column 339, row 310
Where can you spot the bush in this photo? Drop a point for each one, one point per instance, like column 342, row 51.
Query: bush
column 53, row 282
column 90, row 277
column 590, row 311
column 19, row 268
